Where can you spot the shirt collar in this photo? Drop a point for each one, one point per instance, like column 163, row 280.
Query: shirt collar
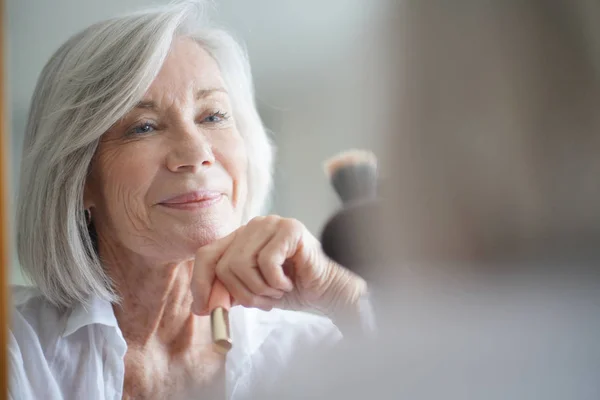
column 95, row 311
column 249, row 327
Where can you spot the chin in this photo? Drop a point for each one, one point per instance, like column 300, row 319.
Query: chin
column 200, row 234
column 190, row 231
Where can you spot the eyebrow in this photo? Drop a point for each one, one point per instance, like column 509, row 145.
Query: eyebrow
column 200, row 94
column 207, row 92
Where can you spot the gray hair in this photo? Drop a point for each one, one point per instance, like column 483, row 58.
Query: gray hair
column 85, row 88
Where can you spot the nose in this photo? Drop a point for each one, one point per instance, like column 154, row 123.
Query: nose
column 191, row 150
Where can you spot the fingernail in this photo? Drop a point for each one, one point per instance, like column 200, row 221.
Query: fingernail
column 197, row 308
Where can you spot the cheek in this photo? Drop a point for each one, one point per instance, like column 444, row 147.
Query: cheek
column 123, row 174
column 232, row 154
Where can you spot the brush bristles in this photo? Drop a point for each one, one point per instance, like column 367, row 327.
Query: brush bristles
column 349, row 158
column 353, row 175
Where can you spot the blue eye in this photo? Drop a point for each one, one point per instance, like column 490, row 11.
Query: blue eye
column 216, row 118
column 142, row 128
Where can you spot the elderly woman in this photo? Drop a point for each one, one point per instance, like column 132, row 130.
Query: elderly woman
column 145, row 166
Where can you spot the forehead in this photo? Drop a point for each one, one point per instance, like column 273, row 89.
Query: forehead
column 187, row 68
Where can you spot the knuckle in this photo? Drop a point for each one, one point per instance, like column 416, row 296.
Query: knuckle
column 272, row 218
column 291, row 225
column 269, row 270
column 272, row 272
column 221, row 271
column 265, row 259
column 256, row 220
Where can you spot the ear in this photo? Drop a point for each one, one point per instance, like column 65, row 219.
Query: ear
column 88, row 194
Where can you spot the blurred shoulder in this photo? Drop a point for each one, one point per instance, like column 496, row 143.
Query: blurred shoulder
column 293, row 326
column 270, row 343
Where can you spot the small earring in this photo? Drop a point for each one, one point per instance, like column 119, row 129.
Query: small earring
column 88, row 216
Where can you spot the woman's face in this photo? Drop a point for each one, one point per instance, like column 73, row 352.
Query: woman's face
column 171, row 175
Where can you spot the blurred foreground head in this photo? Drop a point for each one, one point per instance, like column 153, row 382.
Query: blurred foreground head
column 494, row 151
column 492, row 167
column 492, row 172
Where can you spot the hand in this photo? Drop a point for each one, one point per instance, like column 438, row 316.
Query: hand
column 273, row 262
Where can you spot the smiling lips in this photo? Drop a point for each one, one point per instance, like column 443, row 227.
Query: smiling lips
column 193, row 200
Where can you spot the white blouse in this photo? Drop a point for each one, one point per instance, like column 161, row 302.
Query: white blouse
column 79, row 354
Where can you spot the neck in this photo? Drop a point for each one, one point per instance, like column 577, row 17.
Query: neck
column 169, row 349
column 156, row 302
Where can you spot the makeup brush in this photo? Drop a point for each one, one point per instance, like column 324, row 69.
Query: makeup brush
column 348, row 237
column 219, row 304
column 353, row 174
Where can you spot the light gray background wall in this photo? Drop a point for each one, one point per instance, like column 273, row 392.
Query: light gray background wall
column 314, row 64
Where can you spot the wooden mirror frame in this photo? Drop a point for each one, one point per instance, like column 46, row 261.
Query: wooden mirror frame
column 4, row 248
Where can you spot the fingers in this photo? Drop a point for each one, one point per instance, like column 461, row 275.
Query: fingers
column 238, row 268
column 204, row 272
column 219, row 296
column 243, row 264
column 249, row 263
column 244, row 296
column 282, row 246
column 254, row 281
